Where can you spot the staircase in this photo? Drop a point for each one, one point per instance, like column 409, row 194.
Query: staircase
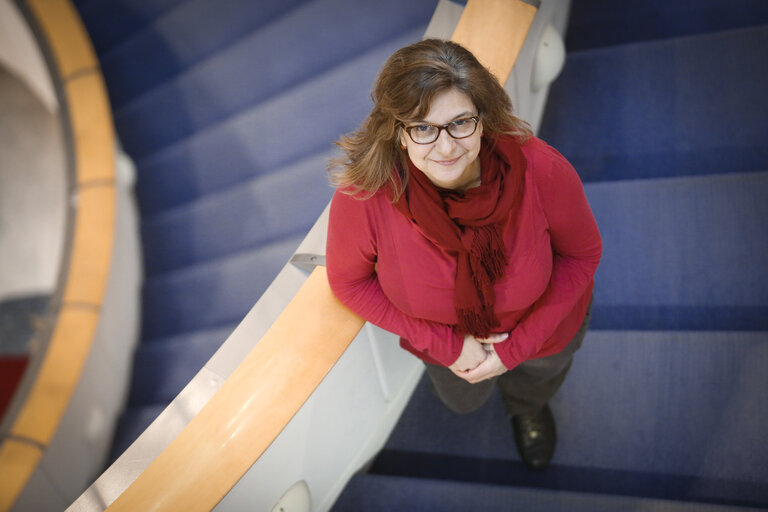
column 229, row 110
column 662, row 109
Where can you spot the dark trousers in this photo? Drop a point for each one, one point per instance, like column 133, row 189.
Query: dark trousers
column 524, row 389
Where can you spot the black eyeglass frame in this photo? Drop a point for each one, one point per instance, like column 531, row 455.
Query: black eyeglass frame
column 441, row 127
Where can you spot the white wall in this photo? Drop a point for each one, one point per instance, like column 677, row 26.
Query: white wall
column 20, row 55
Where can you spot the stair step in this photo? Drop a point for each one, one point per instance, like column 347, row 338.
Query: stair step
column 598, row 23
column 130, row 426
column 377, row 493
column 216, row 293
column 301, row 122
column 638, row 409
column 240, row 218
column 112, row 21
column 663, row 108
column 183, row 36
column 682, row 253
column 162, row 367
column 248, row 73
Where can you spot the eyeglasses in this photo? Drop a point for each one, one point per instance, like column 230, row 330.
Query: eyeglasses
column 428, row 133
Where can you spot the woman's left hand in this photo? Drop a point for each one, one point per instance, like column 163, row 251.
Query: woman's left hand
column 491, row 367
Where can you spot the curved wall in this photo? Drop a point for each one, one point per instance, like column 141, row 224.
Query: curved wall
column 57, row 431
column 21, row 56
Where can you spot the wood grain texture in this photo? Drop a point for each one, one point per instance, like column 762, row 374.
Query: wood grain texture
column 92, row 244
column 494, row 31
column 251, row 408
column 91, row 121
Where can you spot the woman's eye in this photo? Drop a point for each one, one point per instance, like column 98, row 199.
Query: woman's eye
column 460, row 122
column 422, row 128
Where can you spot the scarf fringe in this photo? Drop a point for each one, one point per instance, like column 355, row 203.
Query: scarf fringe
column 487, row 260
column 488, row 253
column 476, row 323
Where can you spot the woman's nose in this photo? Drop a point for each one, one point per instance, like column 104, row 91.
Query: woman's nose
column 444, row 142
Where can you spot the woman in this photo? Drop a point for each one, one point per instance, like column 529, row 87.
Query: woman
column 456, row 229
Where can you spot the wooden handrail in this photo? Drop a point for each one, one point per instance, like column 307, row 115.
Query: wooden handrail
column 251, row 408
column 494, row 31
column 258, row 400
column 84, row 101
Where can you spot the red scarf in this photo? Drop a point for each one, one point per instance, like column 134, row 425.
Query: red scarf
column 471, row 224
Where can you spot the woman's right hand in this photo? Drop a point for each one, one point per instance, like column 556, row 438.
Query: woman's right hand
column 473, row 352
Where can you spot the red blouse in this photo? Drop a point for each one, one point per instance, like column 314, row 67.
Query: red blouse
column 385, row 269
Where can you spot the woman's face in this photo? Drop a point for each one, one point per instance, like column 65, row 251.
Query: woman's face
column 447, row 162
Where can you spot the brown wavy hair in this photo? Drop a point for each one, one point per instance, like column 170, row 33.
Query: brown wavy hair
column 402, row 94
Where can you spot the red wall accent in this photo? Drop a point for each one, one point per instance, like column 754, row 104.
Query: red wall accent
column 11, row 370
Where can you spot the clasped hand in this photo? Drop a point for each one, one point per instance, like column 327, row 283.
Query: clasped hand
column 478, row 360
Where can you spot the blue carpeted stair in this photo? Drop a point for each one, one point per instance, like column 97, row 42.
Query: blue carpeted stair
column 397, row 493
column 668, row 415
column 230, row 110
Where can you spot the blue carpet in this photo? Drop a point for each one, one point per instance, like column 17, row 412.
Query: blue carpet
column 666, row 406
column 162, row 367
column 595, row 23
column 377, row 493
column 685, row 106
column 245, row 146
column 212, row 294
column 247, row 73
column 179, row 39
column 111, row 22
column 682, row 253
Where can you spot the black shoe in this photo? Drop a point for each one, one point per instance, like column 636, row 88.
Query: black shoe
column 535, row 436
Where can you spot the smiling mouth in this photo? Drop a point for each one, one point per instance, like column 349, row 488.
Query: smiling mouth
column 448, row 162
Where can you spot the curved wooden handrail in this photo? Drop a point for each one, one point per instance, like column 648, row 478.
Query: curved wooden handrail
column 251, row 408
column 258, row 400
column 494, row 31
column 82, row 287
